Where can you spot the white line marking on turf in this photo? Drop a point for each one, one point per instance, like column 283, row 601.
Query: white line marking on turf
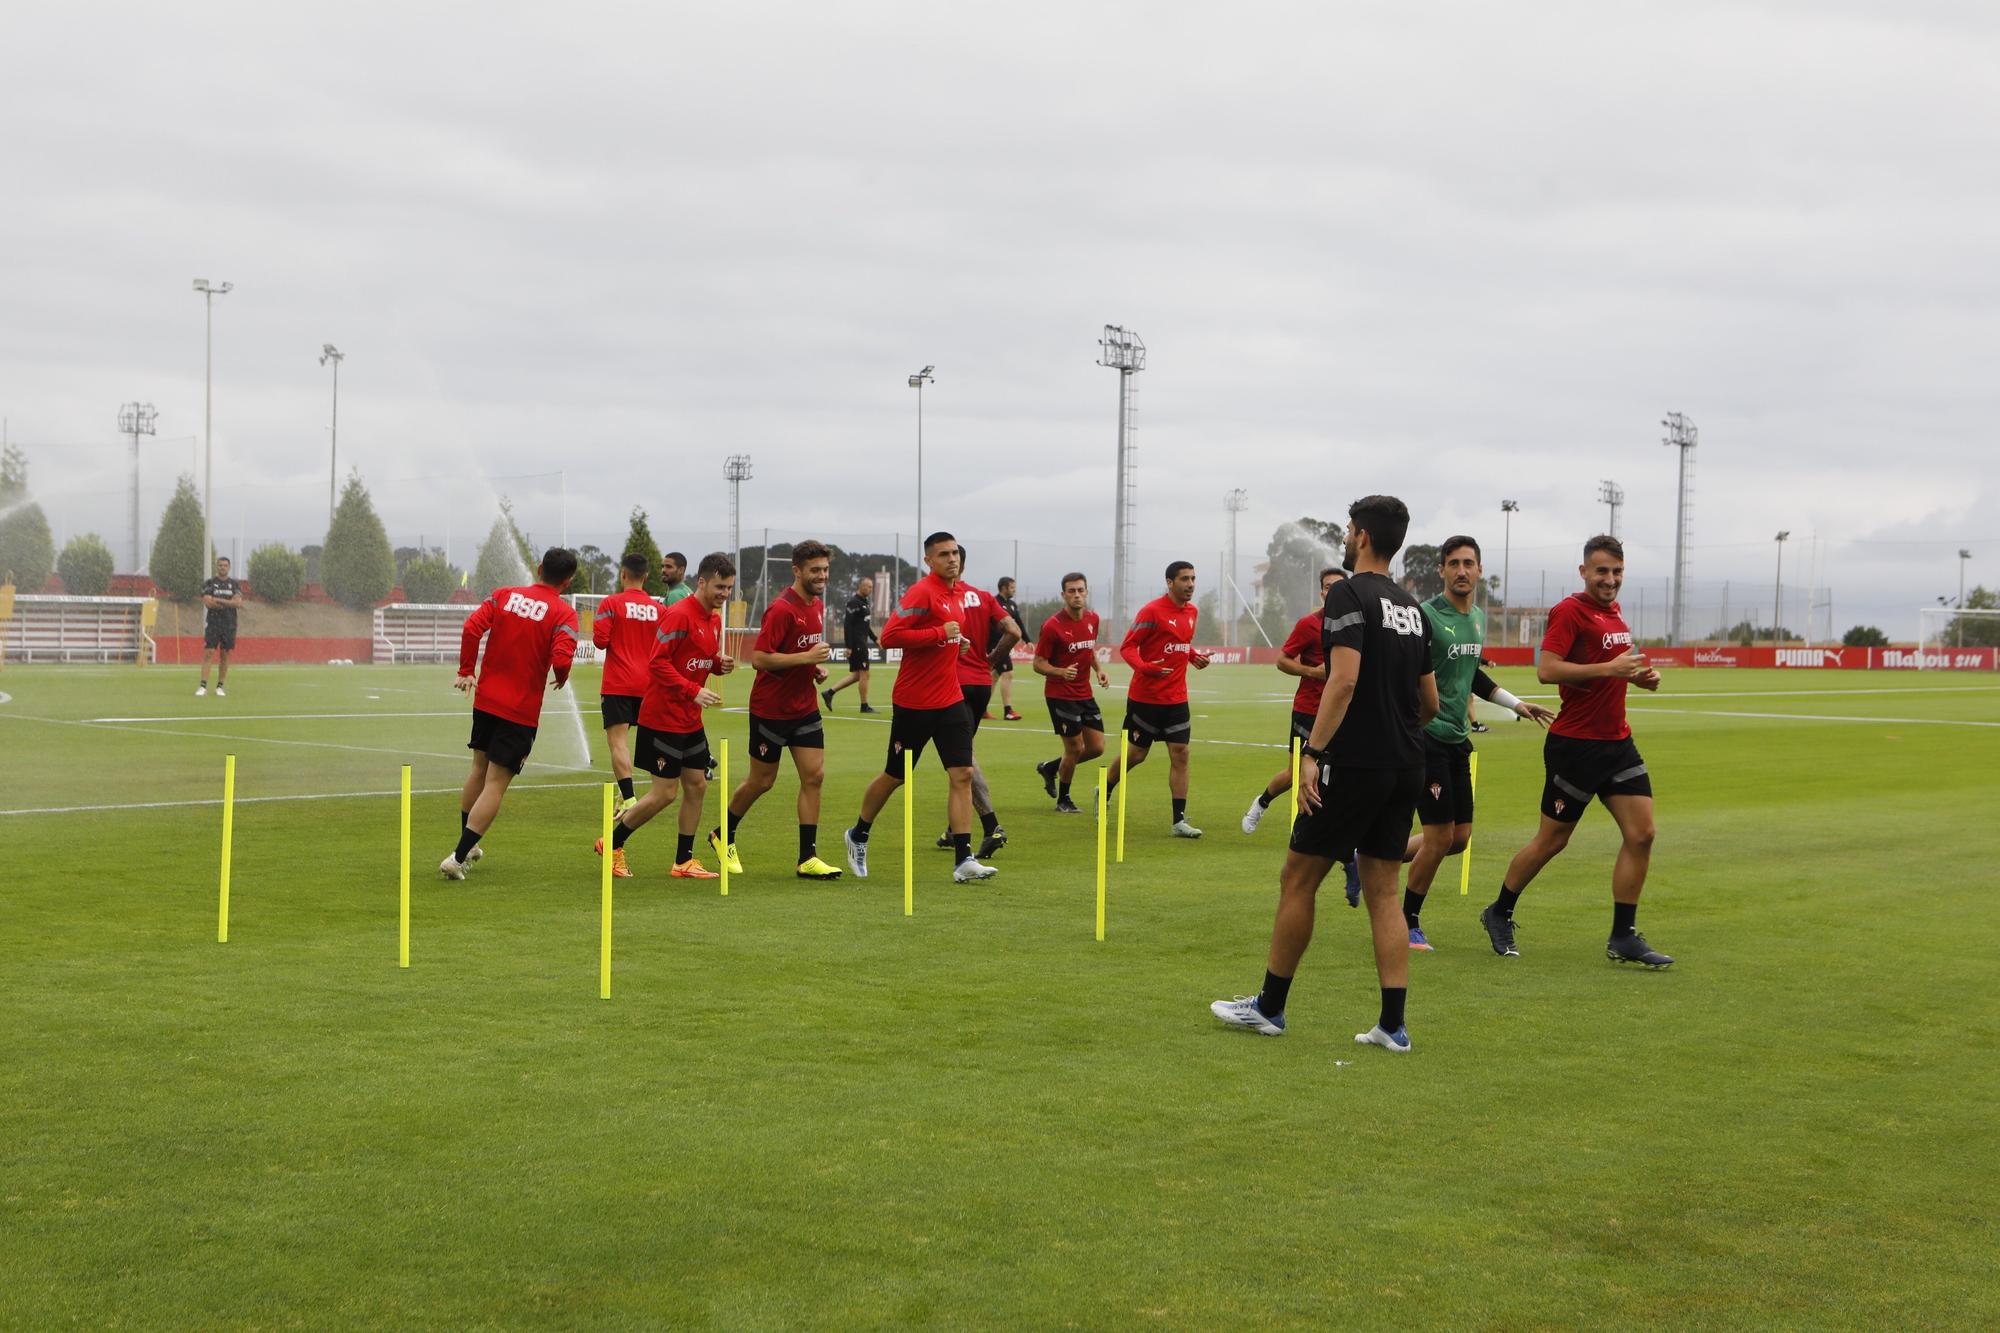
column 275, row 800
column 1820, row 717
column 274, row 717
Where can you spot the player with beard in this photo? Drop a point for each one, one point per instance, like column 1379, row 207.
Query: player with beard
column 1160, row 648
column 1065, row 658
column 983, row 622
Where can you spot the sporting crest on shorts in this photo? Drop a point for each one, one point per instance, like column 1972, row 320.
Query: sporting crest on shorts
column 1437, row 791
column 1559, row 805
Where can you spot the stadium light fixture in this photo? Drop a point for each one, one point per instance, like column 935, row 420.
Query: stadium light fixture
column 1778, row 596
column 331, row 355
column 1681, row 435
column 1508, row 508
column 209, row 291
column 917, row 382
column 1123, row 350
column 1611, row 495
column 136, row 419
column 736, row 471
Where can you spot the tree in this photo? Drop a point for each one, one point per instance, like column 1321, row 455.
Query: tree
column 1864, row 636
column 1975, row 631
column 358, row 566
column 1297, row 552
column 86, row 566
column 599, row 571
column 177, row 565
column 501, row 564
column 27, row 551
column 1745, row 633
column 640, row 539
column 1423, row 577
column 429, row 579
column 277, row 573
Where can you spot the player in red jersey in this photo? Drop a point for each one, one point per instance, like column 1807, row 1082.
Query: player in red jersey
column 784, row 714
column 929, row 707
column 625, row 629
column 983, row 621
column 1065, row 659
column 529, row 632
column 1587, row 650
column 1299, row 656
column 1160, row 648
column 672, row 746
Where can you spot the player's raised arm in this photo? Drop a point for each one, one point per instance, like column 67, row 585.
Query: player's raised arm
column 1485, row 687
column 910, row 626
column 1133, row 649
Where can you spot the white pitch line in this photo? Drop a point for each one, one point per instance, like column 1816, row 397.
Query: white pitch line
column 278, row 800
column 1818, row 717
column 271, row 717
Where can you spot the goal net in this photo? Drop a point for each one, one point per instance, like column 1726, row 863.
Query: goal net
column 1949, row 636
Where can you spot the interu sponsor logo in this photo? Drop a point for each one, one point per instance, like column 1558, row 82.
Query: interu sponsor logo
column 1465, row 650
column 1618, row 639
column 1402, row 619
column 1082, row 645
column 808, row 640
column 526, row 607
column 1179, row 648
column 694, row 664
column 642, row 611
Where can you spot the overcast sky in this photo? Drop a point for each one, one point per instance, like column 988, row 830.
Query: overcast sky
column 1458, row 252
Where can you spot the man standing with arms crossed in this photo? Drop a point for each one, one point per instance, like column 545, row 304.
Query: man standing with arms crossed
column 1066, row 658
column 1587, row 651
column 625, row 629
column 929, row 707
column 791, row 645
column 857, row 633
column 1003, row 655
column 1160, row 647
column 1359, row 774
column 529, row 632
column 222, row 595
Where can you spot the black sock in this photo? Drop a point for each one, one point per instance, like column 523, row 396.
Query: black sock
column 1271, row 1000
column 467, row 840
column 683, row 849
column 620, row 831
column 1111, row 784
column 463, row 815
column 808, row 842
column 1624, row 920
column 988, row 822
column 860, row 830
column 1062, row 789
column 625, row 788
column 1264, row 800
column 1413, row 907
column 734, row 820
column 1392, row 1007
column 1504, row 904
column 1180, row 809
column 961, row 848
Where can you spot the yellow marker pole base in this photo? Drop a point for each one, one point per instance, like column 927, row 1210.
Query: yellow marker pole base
column 1124, row 781
column 228, row 837
column 1103, row 790
column 722, row 774
column 1465, row 857
column 604, row 903
column 1296, row 743
column 909, row 836
column 403, row 912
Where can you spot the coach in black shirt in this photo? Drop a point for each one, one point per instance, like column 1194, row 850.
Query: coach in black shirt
column 857, row 633
column 1360, row 773
column 221, row 596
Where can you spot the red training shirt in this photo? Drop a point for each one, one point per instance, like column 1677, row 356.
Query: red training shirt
column 1581, row 631
column 527, row 631
column 1303, row 646
column 687, row 644
column 928, row 677
column 1068, row 640
column 977, row 614
column 791, row 625
column 1163, row 632
column 627, row 628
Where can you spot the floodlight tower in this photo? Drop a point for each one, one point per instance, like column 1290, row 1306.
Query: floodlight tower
column 1681, row 435
column 1612, row 496
column 917, row 382
column 334, row 356
column 1778, row 590
column 136, row 419
column 736, row 471
column 1508, row 508
column 1233, row 502
column 209, row 291
column 1125, row 352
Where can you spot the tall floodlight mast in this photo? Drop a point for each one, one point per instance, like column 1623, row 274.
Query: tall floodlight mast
column 333, row 356
column 736, row 471
column 1233, row 503
column 136, row 419
column 209, row 291
column 1681, row 435
column 917, row 382
column 1125, row 352
column 1612, row 496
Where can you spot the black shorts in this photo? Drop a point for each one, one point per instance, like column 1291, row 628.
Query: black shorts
column 1073, row 717
column 1365, row 810
column 619, row 710
column 977, row 698
column 1146, row 723
column 664, row 754
column 1004, row 665
column 911, row 729
column 1447, row 795
column 1302, row 729
column 502, row 742
column 1576, row 770
column 770, row 735
column 857, row 659
column 219, row 636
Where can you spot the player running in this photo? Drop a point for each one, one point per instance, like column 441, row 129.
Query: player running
column 672, row 746
column 857, row 633
column 1444, row 807
column 1065, row 658
column 982, row 622
column 1298, row 656
column 529, row 632
column 625, row 630
column 222, row 596
column 1359, row 775
column 791, row 645
column 1003, row 656
column 1160, row 648
column 1587, row 650
column 929, row 707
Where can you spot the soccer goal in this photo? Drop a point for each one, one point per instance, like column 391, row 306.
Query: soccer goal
column 1938, row 632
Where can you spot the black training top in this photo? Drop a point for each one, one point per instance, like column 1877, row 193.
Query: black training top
column 222, row 617
column 1008, row 605
column 1373, row 615
column 855, row 629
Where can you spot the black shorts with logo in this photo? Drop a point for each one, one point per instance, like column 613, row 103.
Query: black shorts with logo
column 216, row 634
column 1004, row 665
column 770, row 735
column 911, row 729
column 1073, row 717
column 1365, row 810
column 977, row 699
column 665, row 754
column 1576, row 769
column 502, row 742
column 619, row 710
column 1302, row 729
column 857, row 659
column 1146, row 723
column 1447, row 795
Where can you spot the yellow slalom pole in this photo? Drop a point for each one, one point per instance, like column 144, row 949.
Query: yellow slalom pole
column 722, row 771
column 1465, row 857
column 1103, row 789
column 228, row 836
column 909, row 836
column 1296, row 743
column 403, row 914
column 604, row 904
column 1124, row 782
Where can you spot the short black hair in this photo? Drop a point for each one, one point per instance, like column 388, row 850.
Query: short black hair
column 1334, row 570
column 558, row 565
column 1384, row 518
column 1074, row 576
column 1603, row 541
column 715, row 565
column 222, row 560
column 1174, row 569
column 808, row 551
column 1453, row 543
column 935, row 538
column 674, row 558
column 636, row 563
column 1006, row 581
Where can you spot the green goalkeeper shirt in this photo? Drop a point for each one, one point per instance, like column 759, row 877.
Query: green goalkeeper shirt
column 1457, row 638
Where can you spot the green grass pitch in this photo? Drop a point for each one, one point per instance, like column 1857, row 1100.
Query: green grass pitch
column 801, row 1108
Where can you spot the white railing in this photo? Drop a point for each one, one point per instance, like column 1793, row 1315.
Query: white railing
column 48, row 628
